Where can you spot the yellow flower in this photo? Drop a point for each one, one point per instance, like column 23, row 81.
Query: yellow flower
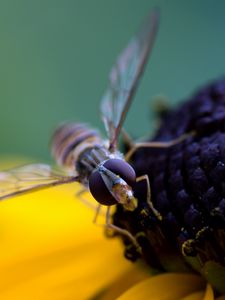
column 49, row 249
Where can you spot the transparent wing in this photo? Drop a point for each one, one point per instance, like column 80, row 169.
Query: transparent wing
column 124, row 77
column 30, row 178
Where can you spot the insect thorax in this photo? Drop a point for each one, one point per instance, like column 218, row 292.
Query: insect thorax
column 91, row 158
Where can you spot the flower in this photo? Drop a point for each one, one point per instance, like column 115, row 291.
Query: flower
column 51, row 250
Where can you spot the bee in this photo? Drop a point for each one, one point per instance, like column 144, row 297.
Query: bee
column 97, row 164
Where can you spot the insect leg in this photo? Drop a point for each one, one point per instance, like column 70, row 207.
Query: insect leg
column 121, row 230
column 168, row 144
column 97, row 212
column 149, row 202
column 115, row 228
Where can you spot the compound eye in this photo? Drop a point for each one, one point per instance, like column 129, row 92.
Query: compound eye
column 99, row 190
column 97, row 186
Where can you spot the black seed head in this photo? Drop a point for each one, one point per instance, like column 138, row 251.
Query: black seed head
column 187, row 188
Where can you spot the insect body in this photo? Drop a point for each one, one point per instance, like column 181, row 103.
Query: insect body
column 81, row 150
column 98, row 165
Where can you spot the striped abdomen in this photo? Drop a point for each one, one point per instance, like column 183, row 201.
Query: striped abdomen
column 70, row 140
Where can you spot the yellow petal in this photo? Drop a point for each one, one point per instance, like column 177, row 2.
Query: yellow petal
column 165, row 287
column 195, row 296
column 128, row 278
column 202, row 295
column 209, row 295
column 51, row 250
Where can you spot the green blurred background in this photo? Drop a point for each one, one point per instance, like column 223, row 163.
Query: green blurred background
column 55, row 57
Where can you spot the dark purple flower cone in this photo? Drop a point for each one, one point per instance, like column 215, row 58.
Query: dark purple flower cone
column 188, row 190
